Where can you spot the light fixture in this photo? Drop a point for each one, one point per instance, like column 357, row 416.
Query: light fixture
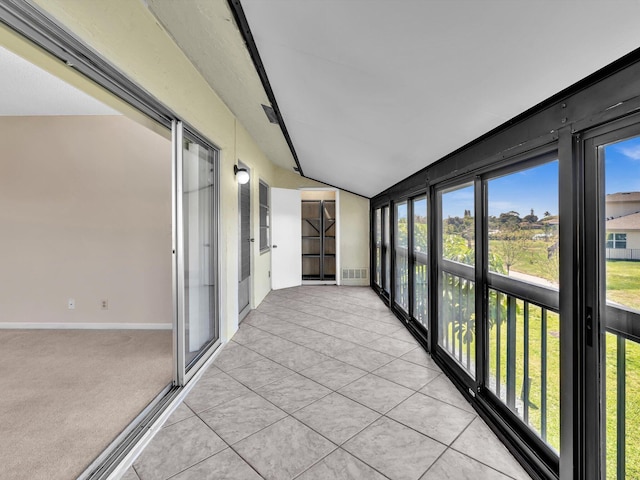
column 242, row 174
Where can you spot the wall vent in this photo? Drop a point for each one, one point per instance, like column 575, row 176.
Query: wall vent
column 354, row 273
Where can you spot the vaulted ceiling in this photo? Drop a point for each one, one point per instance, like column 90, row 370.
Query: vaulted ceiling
column 372, row 91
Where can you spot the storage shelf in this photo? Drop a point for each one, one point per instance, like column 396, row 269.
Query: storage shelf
column 317, row 220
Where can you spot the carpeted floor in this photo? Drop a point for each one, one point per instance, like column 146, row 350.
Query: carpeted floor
column 66, row 394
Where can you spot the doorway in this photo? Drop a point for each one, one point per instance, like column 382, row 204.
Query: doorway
column 318, row 235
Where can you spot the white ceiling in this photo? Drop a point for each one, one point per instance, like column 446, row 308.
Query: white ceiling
column 28, row 90
column 372, row 91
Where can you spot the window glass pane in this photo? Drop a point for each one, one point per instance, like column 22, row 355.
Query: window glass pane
column 264, row 215
column 420, row 255
column 622, row 223
column 199, row 249
column 386, row 250
column 523, row 225
column 620, row 249
column 456, row 311
column 378, row 246
column 458, row 225
column 524, row 361
column 401, row 257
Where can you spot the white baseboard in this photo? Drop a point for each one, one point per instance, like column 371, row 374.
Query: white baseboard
column 84, row 326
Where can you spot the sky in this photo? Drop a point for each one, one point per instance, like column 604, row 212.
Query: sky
column 534, row 188
column 622, row 166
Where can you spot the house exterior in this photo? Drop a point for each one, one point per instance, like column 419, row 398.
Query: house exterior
column 623, row 225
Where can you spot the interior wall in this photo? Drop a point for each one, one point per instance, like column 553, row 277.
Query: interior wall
column 85, row 211
column 318, row 195
column 353, row 223
column 131, row 39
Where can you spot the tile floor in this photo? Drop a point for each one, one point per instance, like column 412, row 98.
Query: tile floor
column 324, row 383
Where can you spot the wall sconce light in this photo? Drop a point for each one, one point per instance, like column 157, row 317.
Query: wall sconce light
column 242, row 174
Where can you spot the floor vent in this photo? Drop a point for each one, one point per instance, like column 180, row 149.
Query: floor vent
column 354, row 273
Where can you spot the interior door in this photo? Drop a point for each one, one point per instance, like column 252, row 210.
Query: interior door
column 286, row 249
column 244, row 248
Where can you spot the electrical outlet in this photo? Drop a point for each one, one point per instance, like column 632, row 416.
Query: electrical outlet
column 71, row 304
column 104, row 304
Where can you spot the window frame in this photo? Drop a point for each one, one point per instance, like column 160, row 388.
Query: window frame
column 615, row 241
column 264, row 224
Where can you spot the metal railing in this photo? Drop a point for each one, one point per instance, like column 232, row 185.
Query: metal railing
column 401, row 284
column 420, row 287
column 622, row 396
column 524, row 369
column 623, row 254
column 457, row 318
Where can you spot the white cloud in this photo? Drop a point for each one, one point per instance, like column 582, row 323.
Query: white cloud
column 632, row 152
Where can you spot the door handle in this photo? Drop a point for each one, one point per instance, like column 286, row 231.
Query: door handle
column 252, row 240
column 274, row 246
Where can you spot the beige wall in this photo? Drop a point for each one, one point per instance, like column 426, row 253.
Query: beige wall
column 618, row 209
column 129, row 37
column 85, row 212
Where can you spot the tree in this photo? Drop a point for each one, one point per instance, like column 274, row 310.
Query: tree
column 509, row 220
column 513, row 242
column 531, row 218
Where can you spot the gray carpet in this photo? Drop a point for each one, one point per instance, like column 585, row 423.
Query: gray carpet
column 66, row 394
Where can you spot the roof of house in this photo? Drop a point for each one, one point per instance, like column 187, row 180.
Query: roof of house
column 626, row 222
column 623, row 197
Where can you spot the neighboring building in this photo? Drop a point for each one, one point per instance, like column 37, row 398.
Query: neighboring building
column 623, row 225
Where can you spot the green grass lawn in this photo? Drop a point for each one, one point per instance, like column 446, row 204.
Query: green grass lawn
column 623, row 283
column 623, row 287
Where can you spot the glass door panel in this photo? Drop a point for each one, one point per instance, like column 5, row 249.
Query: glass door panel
column 386, row 250
column 523, row 297
column 377, row 258
column 456, row 312
column 619, row 251
column 401, row 251
column 196, row 275
column 421, row 260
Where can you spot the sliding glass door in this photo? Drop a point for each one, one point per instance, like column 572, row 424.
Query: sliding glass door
column 420, row 259
column 401, row 257
column 195, row 247
column 386, row 251
column 613, row 213
column 377, row 254
column 457, row 310
column 498, row 295
column 522, row 289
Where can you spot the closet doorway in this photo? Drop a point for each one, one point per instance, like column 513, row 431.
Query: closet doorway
column 319, row 235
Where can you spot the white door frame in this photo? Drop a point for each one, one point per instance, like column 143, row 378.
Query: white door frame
column 338, row 262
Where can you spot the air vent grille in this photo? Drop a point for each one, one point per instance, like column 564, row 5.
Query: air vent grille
column 270, row 113
column 354, row 273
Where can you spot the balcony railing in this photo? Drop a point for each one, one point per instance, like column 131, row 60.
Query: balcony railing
column 421, row 282
column 402, row 278
column 524, row 361
column 457, row 315
column 622, row 393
